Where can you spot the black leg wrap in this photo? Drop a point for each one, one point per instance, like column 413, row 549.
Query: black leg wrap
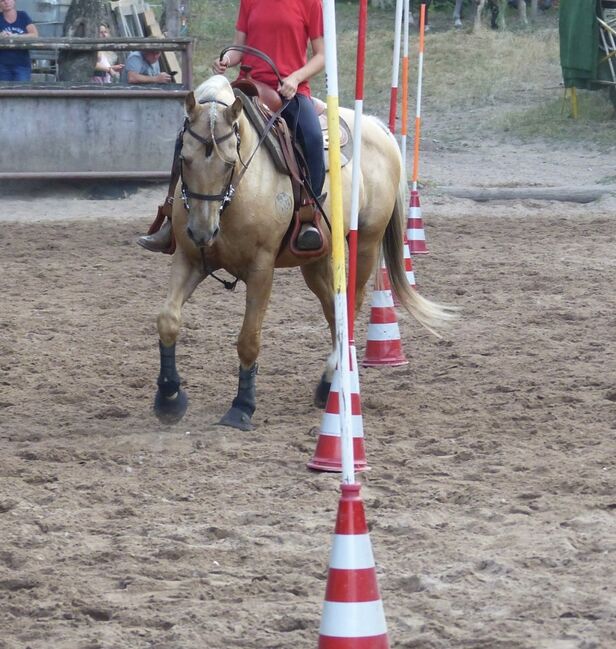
column 322, row 392
column 171, row 401
column 245, row 403
column 168, row 379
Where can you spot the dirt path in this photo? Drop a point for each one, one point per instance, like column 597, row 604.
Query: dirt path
column 491, row 495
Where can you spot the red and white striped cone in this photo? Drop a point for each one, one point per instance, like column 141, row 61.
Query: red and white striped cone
column 408, row 265
column 414, row 229
column 408, row 269
column 383, row 346
column 328, row 453
column 353, row 615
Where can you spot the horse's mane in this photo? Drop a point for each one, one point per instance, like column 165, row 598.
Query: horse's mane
column 216, row 87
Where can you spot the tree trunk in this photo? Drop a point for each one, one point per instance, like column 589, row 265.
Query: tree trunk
column 175, row 18
column 83, row 19
column 534, row 9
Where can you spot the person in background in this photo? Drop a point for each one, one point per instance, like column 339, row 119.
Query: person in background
column 457, row 14
column 15, row 65
column 107, row 68
column 412, row 22
column 144, row 67
column 283, row 30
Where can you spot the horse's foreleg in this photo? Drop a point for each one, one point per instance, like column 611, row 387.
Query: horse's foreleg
column 479, row 4
column 318, row 278
column 171, row 401
column 258, row 290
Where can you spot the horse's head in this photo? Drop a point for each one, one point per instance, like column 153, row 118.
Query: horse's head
column 210, row 151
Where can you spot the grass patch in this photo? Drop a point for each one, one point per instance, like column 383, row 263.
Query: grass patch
column 552, row 120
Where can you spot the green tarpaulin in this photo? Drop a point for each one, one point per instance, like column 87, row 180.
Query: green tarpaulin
column 579, row 44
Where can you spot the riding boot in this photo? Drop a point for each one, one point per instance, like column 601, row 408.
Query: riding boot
column 159, row 241
column 309, row 237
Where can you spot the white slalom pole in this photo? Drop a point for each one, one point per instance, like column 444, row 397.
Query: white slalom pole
column 395, row 68
column 338, row 242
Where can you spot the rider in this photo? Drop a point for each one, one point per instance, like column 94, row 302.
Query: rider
column 282, row 29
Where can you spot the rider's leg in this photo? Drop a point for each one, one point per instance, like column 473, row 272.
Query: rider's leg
column 159, row 240
column 302, row 118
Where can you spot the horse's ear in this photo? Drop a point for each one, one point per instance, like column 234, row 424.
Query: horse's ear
column 190, row 104
column 233, row 112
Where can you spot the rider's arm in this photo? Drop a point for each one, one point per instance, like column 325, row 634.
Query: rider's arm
column 232, row 57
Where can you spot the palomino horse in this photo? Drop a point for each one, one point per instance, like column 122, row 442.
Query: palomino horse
column 241, row 228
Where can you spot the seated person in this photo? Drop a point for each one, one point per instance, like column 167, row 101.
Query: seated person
column 143, row 67
column 107, row 68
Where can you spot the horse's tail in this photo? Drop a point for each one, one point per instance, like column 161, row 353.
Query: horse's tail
column 430, row 314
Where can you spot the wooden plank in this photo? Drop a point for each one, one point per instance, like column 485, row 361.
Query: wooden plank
column 171, row 59
column 563, row 194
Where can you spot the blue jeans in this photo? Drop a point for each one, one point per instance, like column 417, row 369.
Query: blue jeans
column 15, row 72
column 303, row 122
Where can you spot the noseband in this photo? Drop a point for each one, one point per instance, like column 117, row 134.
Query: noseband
column 210, row 143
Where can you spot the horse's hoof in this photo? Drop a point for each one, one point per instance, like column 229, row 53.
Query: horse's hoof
column 321, row 393
column 170, row 410
column 236, row 418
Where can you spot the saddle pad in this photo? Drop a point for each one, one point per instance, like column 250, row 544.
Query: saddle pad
column 346, row 141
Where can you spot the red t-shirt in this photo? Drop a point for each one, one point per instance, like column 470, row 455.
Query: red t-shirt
column 281, row 29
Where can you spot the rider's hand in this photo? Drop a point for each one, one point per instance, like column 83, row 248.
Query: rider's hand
column 220, row 66
column 163, row 77
column 288, row 87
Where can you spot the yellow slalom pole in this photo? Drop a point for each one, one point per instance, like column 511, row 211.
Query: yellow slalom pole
column 338, row 243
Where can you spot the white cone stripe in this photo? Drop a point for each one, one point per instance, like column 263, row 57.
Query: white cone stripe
column 415, row 212
column 407, row 254
column 353, row 619
column 415, row 235
column 335, row 386
column 330, row 425
column 410, row 276
column 379, row 332
column 351, row 552
column 382, row 299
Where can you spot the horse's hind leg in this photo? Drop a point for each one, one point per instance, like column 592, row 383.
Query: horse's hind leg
column 171, row 401
column 258, row 290
column 318, row 278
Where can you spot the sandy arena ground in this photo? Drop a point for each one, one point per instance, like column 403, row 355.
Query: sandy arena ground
column 491, row 496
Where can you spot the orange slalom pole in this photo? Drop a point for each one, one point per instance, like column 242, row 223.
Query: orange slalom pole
column 415, row 233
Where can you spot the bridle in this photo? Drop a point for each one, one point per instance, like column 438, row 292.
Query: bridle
column 226, row 195
column 210, row 144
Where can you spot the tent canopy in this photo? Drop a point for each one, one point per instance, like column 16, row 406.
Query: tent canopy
column 579, row 44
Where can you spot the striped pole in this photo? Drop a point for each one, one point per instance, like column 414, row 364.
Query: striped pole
column 355, row 178
column 338, row 243
column 395, row 68
column 405, row 89
column 415, row 231
column 327, row 455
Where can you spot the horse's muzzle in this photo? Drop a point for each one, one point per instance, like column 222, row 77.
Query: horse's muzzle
column 202, row 239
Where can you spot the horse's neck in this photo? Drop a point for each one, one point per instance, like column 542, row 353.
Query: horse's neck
column 249, row 137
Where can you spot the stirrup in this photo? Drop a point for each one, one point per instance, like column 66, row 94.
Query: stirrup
column 309, row 238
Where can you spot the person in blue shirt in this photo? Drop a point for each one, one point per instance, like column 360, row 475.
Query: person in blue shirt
column 15, row 65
